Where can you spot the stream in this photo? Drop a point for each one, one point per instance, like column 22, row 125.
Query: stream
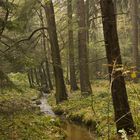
column 73, row 131
column 77, row 132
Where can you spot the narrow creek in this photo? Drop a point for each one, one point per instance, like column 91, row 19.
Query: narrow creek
column 77, row 132
column 73, row 131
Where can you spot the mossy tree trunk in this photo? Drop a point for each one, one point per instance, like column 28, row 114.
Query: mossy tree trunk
column 61, row 94
column 87, row 5
column 36, row 76
column 123, row 116
column 134, row 18
column 73, row 82
column 5, row 82
column 82, row 47
column 45, row 86
column 30, row 78
column 45, row 53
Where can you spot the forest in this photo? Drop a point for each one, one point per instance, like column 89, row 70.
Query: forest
column 69, row 70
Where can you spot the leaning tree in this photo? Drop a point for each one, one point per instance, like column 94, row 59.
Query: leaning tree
column 58, row 71
column 123, row 116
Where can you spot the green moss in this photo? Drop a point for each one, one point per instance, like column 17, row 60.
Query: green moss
column 20, row 117
column 96, row 111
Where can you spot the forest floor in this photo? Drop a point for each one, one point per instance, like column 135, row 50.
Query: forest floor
column 20, row 117
column 96, row 111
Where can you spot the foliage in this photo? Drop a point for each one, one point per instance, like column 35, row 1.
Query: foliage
column 96, row 111
column 20, row 118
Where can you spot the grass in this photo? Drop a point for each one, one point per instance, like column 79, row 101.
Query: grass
column 20, row 119
column 96, row 111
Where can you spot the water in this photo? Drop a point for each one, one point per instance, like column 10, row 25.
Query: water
column 76, row 132
column 45, row 107
column 73, row 131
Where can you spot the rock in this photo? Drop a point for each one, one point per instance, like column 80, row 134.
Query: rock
column 38, row 102
column 34, row 99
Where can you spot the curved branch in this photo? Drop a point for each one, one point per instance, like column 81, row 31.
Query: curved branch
column 26, row 39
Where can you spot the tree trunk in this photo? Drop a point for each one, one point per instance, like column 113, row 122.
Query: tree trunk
column 87, row 21
column 5, row 82
column 36, row 77
column 32, row 76
column 49, row 76
column 29, row 79
column 115, row 6
column 43, row 78
column 71, row 48
column 58, row 71
column 45, row 52
column 135, row 49
column 123, row 117
column 45, row 86
column 82, row 47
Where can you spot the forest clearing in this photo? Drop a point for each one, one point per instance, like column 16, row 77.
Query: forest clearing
column 69, row 70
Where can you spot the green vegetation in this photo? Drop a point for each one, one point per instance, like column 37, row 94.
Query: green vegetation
column 96, row 111
column 69, row 50
column 21, row 119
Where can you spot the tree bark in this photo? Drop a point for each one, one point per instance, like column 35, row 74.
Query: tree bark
column 36, row 76
column 134, row 15
column 71, row 47
column 45, row 86
column 82, row 47
column 45, row 53
column 5, row 82
column 123, row 116
column 48, row 74
column 30, row 79
column 87, row 21
column 32, row 76
column 61, row 94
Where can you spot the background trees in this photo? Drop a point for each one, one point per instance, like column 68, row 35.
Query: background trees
column 63, row 41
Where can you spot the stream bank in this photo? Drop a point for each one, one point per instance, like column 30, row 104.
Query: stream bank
column 76, row 132
column 77, row 110
column 72, row 130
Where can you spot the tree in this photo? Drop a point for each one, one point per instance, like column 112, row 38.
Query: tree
column 82, row 47
column 134, row 15
column 87, row 19
column 44, row 79
column 58, row 71
column 4, row 79
column 5, row 82
column 123, row 116
column 36, row 76
column 45, row 52
column 31, row 78
column 71, row 47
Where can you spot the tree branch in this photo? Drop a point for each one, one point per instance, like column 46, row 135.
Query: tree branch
column 26, row 39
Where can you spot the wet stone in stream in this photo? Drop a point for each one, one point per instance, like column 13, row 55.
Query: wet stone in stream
column 45, row 107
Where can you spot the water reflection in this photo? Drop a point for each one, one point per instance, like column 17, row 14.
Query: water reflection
column 76, row 132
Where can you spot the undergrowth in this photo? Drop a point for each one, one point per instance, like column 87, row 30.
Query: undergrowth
column 96, row 111
column 20, row 118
